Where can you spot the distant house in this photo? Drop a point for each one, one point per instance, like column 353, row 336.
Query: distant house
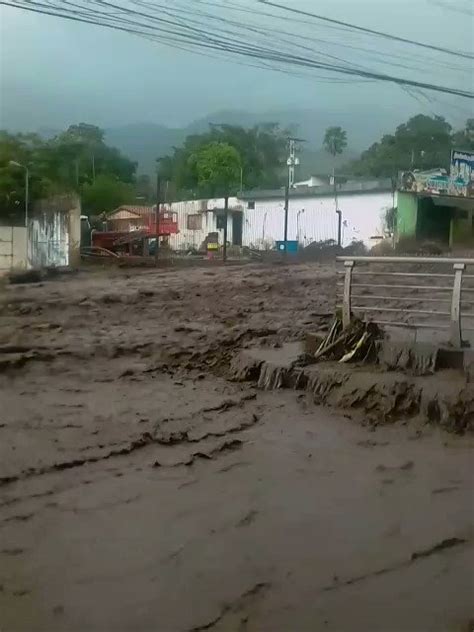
column 321, row 180
column 126, row 218
column 313, row 181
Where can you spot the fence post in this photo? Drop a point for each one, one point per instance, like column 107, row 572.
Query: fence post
column 346, row 304
column 456, row 334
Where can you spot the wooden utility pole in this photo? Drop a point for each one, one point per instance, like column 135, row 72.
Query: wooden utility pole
column 157, row 217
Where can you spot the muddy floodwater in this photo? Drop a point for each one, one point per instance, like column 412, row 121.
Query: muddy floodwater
column 143, row 490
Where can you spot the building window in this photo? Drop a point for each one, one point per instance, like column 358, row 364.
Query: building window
column 194, row 222
column 251, row 205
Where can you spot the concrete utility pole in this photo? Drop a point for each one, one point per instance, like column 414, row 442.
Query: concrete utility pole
column 293, row 161
column 338, row 211
column 226, row 216
column 287, row 204
column 157, row 217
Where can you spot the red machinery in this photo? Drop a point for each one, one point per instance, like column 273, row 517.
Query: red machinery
column 136, row 242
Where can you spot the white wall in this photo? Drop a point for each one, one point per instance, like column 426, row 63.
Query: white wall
column 48, row 243
column 186, row 238
column 309, row 219
column 314, row 219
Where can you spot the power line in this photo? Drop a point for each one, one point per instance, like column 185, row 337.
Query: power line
column 367, row 30
column 193, row 35
column 455, row 9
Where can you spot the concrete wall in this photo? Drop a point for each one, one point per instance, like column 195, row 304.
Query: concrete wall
column 52, row 238
column 407, row 215
column 13, row 248
column 55, row 232
column 49, row 240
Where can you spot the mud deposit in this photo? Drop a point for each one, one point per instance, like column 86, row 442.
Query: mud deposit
column 141, row 489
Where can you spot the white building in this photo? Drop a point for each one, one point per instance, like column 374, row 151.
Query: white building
column 256, row 218
column 199, row 218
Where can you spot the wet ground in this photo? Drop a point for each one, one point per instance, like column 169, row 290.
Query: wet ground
column 142, row 490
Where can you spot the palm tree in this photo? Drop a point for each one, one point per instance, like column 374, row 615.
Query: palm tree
column 335, row 140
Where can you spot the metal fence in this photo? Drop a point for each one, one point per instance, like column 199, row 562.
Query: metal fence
column 418, row 293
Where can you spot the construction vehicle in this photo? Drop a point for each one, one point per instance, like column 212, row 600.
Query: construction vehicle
column 139, row 242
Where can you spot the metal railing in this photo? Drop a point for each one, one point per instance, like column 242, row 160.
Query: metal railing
column 410, row 292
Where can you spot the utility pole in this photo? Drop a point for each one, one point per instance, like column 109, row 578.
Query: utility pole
column 338, row 211
column 157, row 217
column 93, row 168
column 292, row 161
column 27, row 194
column 226, row 214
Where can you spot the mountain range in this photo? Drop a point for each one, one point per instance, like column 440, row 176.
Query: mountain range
column 144, row 142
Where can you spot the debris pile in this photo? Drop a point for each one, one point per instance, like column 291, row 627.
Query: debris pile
column 358, row 342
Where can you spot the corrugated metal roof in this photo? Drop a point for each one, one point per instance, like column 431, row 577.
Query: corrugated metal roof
column 138, row 211
column 348, row 188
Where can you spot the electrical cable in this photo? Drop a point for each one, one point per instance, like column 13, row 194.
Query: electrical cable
column 192, row 35
column 367, row 30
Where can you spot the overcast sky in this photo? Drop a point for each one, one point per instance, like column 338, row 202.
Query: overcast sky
column 54, row 72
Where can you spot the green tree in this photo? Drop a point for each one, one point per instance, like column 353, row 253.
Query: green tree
column 64, row 164
column 262, row 151
column 335, row 140
column 88, row 155
column 423, row 142
column 217, row 166
column 464, row 139
column 105, row 194
column 84, row 134
column 29, row 151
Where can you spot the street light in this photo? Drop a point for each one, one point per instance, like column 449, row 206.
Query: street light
column 13, row 163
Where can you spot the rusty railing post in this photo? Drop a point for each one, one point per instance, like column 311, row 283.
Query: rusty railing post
column 346, row 304
column 456, row 334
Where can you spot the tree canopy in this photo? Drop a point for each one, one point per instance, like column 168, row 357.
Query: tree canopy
column 76, row 160
column 423, row 142
column 335, row 140
column 217, row 166
column 262, row 151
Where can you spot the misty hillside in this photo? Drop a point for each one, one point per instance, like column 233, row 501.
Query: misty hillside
column 144, row 142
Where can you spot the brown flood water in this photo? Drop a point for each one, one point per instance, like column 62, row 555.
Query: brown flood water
column 140, row 490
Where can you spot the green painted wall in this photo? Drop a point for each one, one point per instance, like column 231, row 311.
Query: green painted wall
column 406, row 215
column 461, row 229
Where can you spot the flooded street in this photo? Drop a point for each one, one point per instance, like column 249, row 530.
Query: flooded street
column 141, row 489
